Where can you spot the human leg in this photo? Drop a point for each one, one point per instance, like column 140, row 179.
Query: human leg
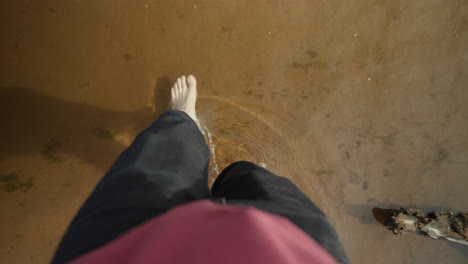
column 166, row 165
column 245, row 183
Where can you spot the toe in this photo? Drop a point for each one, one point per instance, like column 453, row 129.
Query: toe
column 184, row 82
column 192, row 82
column 179, row 83
column 178, row 92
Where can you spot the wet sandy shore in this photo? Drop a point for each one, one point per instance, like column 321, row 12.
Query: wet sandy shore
column 360, row 103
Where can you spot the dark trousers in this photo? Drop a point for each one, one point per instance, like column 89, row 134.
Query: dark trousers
column 166, row 166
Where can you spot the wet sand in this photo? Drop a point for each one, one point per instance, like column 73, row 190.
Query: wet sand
column 362, row 104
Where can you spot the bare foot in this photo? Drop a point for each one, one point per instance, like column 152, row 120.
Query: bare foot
column 184, row 95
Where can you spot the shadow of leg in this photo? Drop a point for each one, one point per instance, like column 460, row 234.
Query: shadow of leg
column 162, row 95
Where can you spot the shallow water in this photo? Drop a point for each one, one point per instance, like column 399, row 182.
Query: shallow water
column 235, row 133
column 361, row 104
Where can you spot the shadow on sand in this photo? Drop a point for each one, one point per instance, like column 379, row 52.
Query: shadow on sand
column 36, row 124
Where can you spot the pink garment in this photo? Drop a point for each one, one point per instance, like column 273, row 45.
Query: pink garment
column 205, row 232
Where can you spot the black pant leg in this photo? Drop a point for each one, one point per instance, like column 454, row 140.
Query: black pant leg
column 245, row 183
column 166, row 165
